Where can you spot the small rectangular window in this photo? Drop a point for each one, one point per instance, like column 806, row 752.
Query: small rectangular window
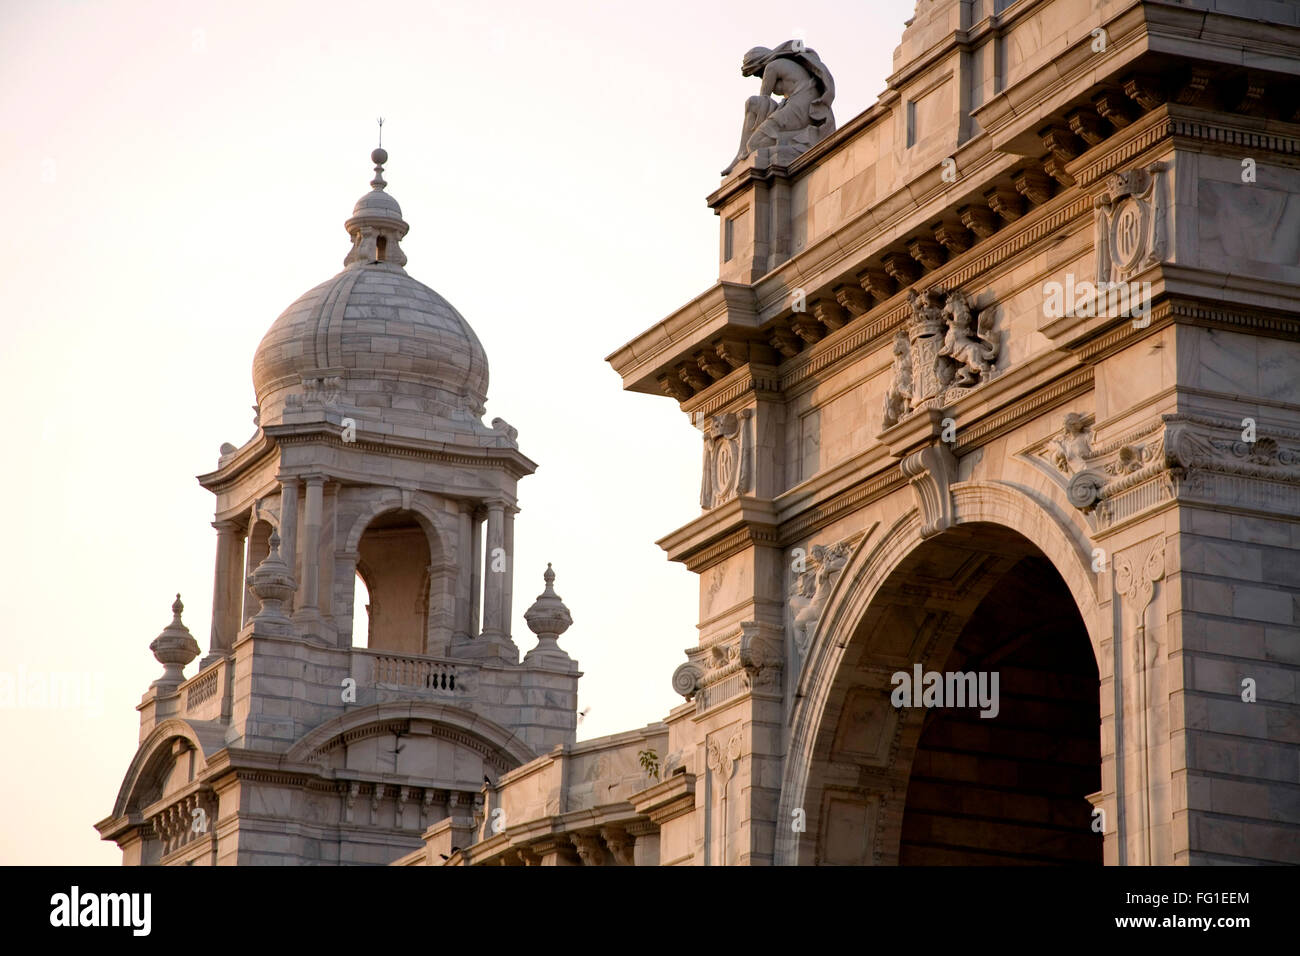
column 911, row 123
column 728, row 239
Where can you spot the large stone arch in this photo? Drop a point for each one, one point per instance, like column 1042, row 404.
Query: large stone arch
column 989, row 503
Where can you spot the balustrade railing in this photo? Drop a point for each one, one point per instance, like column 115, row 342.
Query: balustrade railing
column 417, row 672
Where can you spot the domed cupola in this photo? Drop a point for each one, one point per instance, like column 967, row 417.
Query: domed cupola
column 372, row 340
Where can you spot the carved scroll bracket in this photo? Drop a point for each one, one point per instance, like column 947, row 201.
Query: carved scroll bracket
column 932, row 471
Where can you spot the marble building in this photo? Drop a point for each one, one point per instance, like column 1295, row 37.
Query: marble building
column 1000, row 377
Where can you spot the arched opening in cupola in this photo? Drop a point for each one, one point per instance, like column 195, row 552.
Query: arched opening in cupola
column 393, row 563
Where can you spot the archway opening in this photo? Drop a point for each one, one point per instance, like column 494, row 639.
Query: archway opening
column 393, row 568
column 1011, row 788
column 988, row 752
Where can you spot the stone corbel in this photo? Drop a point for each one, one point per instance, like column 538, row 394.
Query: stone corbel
column 620, row 844
column 932, row 471
column 590, row 850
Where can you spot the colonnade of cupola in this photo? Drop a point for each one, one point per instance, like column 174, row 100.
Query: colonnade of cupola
column 437, row 569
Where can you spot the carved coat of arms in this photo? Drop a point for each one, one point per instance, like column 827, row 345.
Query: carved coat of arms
column 944, row 349
column 728, row 454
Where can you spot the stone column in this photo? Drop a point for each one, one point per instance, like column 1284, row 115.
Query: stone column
column 493, row 580
column 289, row 524
column 309, row 593
column 476, row 570
column 227, row 589
column 464, row 573
column 507, row 589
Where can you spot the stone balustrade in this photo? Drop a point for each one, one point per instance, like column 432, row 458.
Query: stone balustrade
column 422, row 674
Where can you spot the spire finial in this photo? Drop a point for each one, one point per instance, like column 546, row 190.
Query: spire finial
column 379, row 156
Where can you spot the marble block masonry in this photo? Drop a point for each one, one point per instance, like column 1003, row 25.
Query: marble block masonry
column 999, row 378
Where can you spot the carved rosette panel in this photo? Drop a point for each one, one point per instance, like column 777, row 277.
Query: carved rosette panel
column 1131, row 232
column 945, row 350
column 728, row 457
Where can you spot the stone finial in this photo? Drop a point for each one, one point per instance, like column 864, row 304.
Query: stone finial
column 548, row 618
column 273, row 584
column 376, row 226
column 174, row 648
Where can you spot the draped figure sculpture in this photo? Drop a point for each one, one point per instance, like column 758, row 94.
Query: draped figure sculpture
column 803, row 117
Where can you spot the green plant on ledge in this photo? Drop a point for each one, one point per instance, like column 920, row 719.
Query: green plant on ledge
column 649, row 763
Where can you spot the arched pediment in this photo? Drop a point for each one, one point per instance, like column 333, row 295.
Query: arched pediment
column 156, row 753
column 494, row 744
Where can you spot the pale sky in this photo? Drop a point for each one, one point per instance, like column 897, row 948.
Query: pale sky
column 178, row 173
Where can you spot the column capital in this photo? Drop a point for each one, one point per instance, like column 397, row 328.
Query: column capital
column 231, row 526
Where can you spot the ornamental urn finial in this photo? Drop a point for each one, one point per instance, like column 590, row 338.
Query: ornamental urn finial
column 174, row 648
column 548, row 618
column 273, row 585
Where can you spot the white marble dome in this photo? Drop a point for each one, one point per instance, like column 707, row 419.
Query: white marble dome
column 385, row 342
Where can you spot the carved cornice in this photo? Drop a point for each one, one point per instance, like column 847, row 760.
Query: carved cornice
column 667, row 800
column 728, row 529
column 748, row 380
column 1007, row 419
column 846, row 502
column 510, row 460
column 732, row 544
column 1223, row 316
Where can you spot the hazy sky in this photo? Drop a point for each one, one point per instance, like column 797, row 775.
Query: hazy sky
column 177, row 173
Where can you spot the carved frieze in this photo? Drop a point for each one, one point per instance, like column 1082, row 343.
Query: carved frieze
column 1173, row 456
column 945, row 350
column 1095, row 473
column 728, row 457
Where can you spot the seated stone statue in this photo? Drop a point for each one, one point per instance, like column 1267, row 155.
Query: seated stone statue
column 803, row 117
